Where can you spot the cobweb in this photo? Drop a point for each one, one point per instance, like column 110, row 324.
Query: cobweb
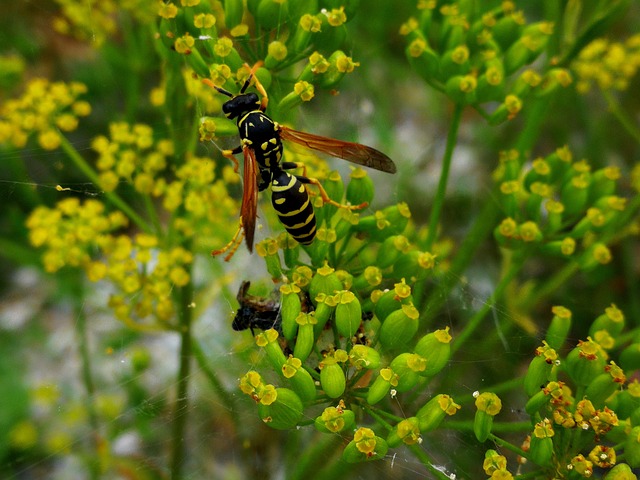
column 138, row 406
column 224, row 438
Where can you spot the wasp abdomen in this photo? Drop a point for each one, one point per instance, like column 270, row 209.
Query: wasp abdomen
column 291, row 202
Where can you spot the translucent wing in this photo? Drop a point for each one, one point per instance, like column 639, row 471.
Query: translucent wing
column 249, row 207
column 353, row 152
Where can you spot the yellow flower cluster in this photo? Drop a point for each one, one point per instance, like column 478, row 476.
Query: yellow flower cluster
column 132, row 155
column 144, row 273
column 44, row 109
column 96, row 21
column 609, row 65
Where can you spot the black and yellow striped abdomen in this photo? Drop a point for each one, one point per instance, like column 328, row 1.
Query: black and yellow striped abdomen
column 291, row 202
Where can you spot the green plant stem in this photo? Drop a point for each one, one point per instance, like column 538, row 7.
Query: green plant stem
column 502, row 443
column 482, row 227
column 91, row 174
column 87, row 380
column 438, row 201
column 498, row 427
column 182, row 400
column 426, row 461
column 627, row 123
column 476, row 319
column 550, row 286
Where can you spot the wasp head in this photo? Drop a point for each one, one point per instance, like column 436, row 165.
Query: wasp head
column 240, row 104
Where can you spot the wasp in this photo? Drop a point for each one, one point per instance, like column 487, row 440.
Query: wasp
column 261, row 145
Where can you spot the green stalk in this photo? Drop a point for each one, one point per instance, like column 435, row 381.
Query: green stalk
column 627, row 123
column 182, row 400
column 91, row 174
column 87, row 380
column 482, row 227
column 438, row 201
column 476, row 319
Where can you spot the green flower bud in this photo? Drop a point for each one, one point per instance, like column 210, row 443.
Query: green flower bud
column 585, row 362
column 539, row 370
column 630, row 357
column 301, row 381
column 507, row 30
column 360, row 189
column 305, row 339
column 339, row 65
column 252, row 384
column 408, row 367
column 302, row 92
column 364, row 357
column 424, row 61
column 621, row 471
column 488, row 406
column 335, row 420
column 461, row 89
column 390, row 221
column 381, row 385
column 332, row 376
column 455, row 62
column 597, row 254
column 553, row 390
column 508, row 110
column 529, row 232
column 348, row 313
column 334, row 187
column 268, row 249
column 284, row 413
column 290, row 307
column 390, row 301
column 365, row 446
column 307, row 25
column 325, row 305
column 632, row 448
column 371, row 277
column 407, row 431
column 612, row 321
column 493, row 462
column 605, row 385
column 559, row 327
column 233, row 10
column 603, row 182
column 553, row 80
column 270, row 13
column 541, row 449
column 391, row 249
column 269, row 341
column 582, row 466
column 224, row 52
column 399, row 327
column 575, row 193
column 414, row 264
column 324, row 281
column 435, row 347
column 491, row 84
column 431, row 415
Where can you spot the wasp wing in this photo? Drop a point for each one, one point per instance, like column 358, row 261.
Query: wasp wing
column 353, row 152
column 249, row 209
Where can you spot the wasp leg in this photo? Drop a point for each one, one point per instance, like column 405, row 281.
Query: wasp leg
column 314, row 181
column 233, row 245
column 230, row 155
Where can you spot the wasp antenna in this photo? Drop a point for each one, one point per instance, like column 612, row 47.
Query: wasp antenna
column 209, row 83
column 246, row 83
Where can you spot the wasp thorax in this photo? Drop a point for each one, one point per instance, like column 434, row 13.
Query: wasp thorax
column 241, row 104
